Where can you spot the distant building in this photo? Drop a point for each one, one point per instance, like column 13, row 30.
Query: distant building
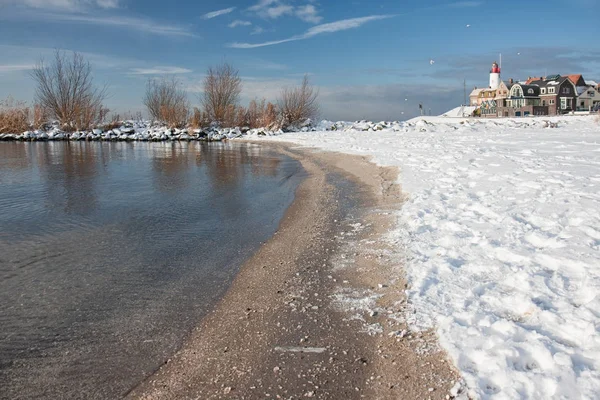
column 523, row 100
column 495, row 76
column 588, row 98
column 558, row 93
column 551, row 95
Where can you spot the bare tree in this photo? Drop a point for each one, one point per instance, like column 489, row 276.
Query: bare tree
column 299, row 104
column 222, row 88
column 167, row 102
column 65, row 89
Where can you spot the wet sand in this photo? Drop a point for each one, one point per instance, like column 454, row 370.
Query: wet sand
column 315, row 312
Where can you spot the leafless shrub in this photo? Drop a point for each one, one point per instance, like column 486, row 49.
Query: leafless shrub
column 167, row 102
column 14, row 116
column 40, row 116
column 262, row 114
column 65, row 89
column 299, row 104
column 199, row 119
column 222, row 88
column 115, row 122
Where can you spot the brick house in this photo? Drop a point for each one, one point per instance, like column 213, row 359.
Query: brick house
column 523, row 100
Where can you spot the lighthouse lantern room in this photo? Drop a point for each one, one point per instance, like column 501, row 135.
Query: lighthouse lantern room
column 495, row 76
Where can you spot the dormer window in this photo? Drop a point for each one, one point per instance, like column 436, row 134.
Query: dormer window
column 543, row 90
column 551, row 90
column 530, row 91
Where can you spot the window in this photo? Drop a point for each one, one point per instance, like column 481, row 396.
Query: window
column 566, row 90
column 582, row 104
column 552, row 102
column 543, row 90
column 551, row 90
column 591, row 93
column 530, row 91
column 543, row 102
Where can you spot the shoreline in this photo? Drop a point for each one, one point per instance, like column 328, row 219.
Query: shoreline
column 309, row 314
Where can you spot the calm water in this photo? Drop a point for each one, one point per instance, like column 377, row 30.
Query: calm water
column 110, row 253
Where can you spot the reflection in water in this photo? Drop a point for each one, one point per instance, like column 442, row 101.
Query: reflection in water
column 111, row 252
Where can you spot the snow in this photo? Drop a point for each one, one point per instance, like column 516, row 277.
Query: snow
column 139, row 131
column 501, row 241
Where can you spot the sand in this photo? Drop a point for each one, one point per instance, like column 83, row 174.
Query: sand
column 313, row 314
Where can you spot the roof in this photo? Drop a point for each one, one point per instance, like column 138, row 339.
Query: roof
column 581, row 90
column 591, row 83
column 475, row 92
column 530, row 90
column 554, row 80
column 576, row 78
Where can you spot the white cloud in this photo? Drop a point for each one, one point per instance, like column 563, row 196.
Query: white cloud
column 277, row 11
column 465, row 4
column 16, row 68
column 108, row 3
column 308, row 13
column 331, row 27
column 160, row 71
column 238, row 22
column 218, row 13
column 136, row 24
column 257, row 30
column 273, row 9
column 69, row 5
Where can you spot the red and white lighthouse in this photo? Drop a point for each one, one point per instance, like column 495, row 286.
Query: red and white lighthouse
column 495, row 76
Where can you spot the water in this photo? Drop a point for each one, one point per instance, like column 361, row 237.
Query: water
column 110, row 253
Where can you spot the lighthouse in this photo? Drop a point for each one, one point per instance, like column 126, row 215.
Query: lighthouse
column 495, row 76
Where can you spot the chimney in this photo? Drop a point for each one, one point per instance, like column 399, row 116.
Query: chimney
column 511, row 81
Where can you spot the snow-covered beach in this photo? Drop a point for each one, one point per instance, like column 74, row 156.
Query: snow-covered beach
column 500, row 236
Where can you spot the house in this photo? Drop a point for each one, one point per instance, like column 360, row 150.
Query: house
column 557, row 92
column 588, row 97
column 503, row 91
column 523, row 100
column 577, row 80
column 474, row 97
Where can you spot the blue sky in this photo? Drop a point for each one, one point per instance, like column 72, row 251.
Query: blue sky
column 370, row 59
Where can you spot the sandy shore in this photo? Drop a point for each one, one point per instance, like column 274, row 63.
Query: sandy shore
column 314, row 312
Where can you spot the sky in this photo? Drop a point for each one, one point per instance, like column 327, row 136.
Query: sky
column 370, row 59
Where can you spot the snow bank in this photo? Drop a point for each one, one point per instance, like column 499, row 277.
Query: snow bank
column 501, row 235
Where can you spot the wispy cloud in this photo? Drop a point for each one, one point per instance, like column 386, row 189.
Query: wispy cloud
column 131, row 23
column 273, row 9
column 218, row 13
column 238, row 22
column 331, row 27
column 160, row 71
column 309, row 13
column 465, row 4
column 69, row 5
column 257, row 30
column 16, row 68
